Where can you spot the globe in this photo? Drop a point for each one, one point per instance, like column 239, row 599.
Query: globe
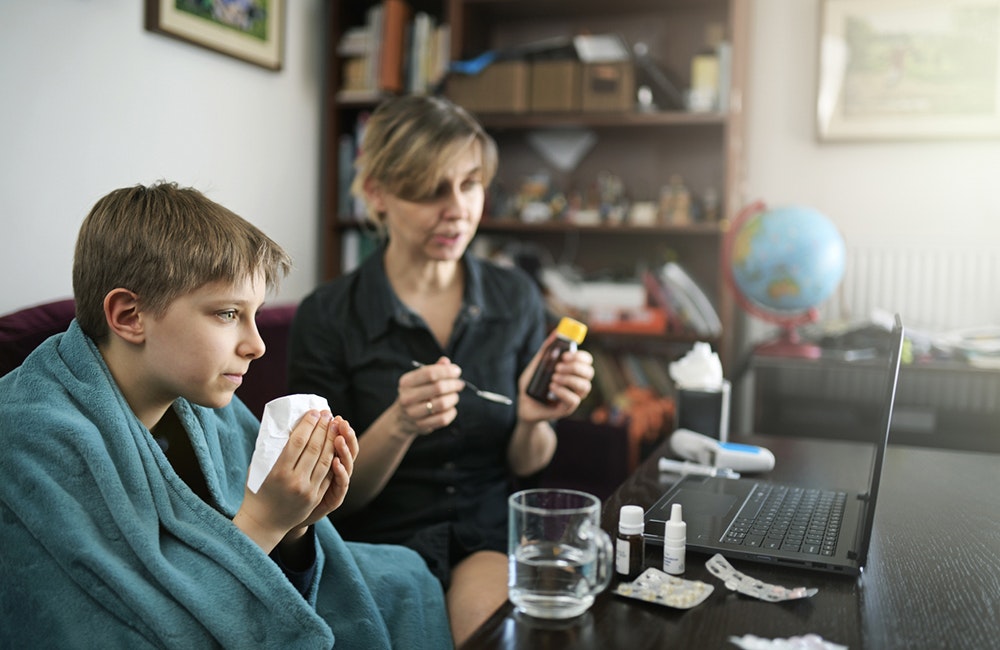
column 782, row 263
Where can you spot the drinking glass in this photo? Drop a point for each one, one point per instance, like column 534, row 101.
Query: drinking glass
column 559, row 557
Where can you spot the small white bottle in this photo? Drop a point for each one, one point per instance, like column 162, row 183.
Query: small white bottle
column 674, row 542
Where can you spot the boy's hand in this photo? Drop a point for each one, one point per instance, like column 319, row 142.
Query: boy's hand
column 345, row 446
column 308, row 480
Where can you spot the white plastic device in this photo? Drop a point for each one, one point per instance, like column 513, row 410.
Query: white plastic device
column 702, row 449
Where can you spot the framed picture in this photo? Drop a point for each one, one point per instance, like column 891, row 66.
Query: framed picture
column 909, row 69
column 250, row 30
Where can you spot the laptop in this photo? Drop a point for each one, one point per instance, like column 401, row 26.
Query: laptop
column 761, row 521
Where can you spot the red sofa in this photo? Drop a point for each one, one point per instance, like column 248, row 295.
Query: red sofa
column 22, row 331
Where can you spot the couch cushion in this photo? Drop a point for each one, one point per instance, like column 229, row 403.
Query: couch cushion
column 22, row 331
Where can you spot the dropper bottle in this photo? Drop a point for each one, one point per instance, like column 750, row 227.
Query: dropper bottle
column 674, row 542
column 569, row 334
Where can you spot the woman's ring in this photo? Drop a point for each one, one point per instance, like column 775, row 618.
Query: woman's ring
column 430, row 407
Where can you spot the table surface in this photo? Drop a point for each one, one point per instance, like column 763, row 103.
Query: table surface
column 932, row 579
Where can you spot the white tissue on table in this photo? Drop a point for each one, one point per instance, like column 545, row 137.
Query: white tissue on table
column 804, row 642
column 280, row 415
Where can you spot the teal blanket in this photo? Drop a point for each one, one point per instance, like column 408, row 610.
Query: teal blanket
column 103, row 545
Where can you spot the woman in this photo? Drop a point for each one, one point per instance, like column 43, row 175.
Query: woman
column 436, row 461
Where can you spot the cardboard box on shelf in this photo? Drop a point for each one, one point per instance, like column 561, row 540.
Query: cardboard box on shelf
column 502, row 87
column 608, row 86
column 555, row 85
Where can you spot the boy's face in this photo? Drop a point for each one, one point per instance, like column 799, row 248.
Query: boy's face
column 202, row 345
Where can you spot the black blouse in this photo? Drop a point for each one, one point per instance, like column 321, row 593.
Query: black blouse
column 352, row 339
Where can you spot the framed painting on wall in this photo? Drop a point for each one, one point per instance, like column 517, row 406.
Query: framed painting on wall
column 909, row 69
column 250, row 30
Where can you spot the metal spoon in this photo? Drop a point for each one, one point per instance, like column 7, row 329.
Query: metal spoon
column 485, row 394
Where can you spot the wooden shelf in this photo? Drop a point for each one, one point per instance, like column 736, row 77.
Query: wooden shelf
column 664, row 119
column 518, row 227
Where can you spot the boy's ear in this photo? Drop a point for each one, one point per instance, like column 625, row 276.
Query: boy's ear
column 121, row 310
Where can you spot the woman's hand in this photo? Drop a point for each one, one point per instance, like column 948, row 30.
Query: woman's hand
column 428, row 397
column 308, row 480
column 571, row 383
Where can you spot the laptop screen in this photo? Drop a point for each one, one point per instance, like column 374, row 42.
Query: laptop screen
column 886, row 397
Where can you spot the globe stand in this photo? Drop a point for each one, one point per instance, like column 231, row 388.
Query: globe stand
column 788, row 344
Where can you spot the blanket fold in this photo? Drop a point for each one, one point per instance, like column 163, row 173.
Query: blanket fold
column 105, row 546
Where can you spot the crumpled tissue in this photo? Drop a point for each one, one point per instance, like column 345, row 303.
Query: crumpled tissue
column 805, row 642
column 280, row 415
column 699, row 369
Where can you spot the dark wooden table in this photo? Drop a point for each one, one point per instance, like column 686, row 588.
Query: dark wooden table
column 932, row 578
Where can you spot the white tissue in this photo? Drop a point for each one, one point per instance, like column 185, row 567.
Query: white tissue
column 280, row 415
column 699, row 369
column 805, row 642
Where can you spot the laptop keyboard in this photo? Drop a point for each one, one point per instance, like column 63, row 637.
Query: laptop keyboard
column 778, row 517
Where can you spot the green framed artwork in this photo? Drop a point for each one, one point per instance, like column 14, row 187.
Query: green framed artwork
column 250, row 30
column 909, row 69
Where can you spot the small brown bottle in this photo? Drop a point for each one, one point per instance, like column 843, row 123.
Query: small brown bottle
column 630, row 545
column 569, row 334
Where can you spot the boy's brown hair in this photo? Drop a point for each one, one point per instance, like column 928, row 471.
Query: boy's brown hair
column 161, row 242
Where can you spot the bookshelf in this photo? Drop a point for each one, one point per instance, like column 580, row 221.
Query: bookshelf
column 642, row 148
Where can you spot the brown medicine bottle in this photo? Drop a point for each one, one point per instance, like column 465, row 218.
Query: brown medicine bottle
column 630, row 544
column 569, row 334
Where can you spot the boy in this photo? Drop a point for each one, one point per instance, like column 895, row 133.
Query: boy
column 124, row 514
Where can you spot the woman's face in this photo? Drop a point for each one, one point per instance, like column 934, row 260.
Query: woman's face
column 438, row 227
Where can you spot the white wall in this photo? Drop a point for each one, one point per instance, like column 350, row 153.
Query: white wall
column 919, row 195
column 92, row 102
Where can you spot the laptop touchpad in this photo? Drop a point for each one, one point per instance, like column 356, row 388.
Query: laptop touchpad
column 703, row 504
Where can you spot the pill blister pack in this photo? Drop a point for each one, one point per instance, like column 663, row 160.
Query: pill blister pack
column 744, row 584
column 655, row 586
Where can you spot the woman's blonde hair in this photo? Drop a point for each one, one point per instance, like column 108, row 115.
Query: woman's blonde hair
column 162, row 242
column 408, row 142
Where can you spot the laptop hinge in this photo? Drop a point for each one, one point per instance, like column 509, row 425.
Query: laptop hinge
column 863, row 497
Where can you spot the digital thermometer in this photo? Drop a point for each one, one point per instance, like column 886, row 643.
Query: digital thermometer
column 708, row 451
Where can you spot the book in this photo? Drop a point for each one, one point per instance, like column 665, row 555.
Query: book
column 656, row 371
column 395, row 20
column 345, row 176
column 373, row 23
column 355, row 42
column 725, row 52
column 633, row 371
column 608, row 378
column 695, row 304
column 420, row 45
column 659, row 295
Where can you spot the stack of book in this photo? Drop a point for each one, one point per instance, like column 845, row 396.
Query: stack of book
column 687, row 307
column 395, row 51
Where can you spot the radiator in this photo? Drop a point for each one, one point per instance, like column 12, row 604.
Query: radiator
column 935, row 289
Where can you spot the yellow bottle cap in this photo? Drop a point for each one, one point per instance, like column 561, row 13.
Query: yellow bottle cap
column 571, row 329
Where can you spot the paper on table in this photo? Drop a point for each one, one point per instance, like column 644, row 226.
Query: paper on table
column 280, row 415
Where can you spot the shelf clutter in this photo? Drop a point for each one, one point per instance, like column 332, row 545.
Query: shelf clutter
column 591, row 73
column 395, row 51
